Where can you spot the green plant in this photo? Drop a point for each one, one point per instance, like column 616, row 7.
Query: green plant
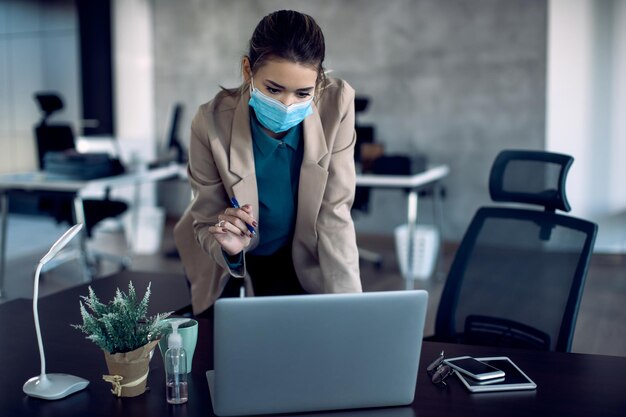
column 121, row 325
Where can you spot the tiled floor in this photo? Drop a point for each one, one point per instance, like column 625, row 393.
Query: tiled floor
column 600, row 327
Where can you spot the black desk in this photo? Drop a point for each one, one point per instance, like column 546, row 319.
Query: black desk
column 568, row 384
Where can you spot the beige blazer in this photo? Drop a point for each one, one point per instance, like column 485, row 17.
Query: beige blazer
column 221, row 165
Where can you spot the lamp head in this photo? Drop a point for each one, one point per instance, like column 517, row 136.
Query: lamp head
column 61, row 243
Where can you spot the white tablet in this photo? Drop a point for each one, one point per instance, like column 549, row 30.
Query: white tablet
column 514, row 378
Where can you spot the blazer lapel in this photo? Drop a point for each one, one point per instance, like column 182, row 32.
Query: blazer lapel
column 241, row 154
column 314, row 139
column 241, row 161
column 312, row 175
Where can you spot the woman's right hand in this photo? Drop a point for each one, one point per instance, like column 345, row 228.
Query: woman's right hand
column 231, row 231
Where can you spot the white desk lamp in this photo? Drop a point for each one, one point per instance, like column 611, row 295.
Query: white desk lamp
column 51, row 386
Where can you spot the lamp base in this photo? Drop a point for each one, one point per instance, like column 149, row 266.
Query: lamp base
column 54, row 386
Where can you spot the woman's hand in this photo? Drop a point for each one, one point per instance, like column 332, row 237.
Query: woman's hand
column 231, row 231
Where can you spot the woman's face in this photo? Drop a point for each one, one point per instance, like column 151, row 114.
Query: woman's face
column 285, row 81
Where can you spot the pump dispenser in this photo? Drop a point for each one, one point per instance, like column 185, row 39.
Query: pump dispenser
column 176, row 389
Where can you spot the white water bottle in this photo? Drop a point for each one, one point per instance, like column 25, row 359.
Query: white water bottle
column 176, row 388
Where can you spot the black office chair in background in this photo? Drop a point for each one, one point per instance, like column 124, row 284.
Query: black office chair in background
column 174, row 150
column 364, row 135
column 51, row 136
column 518, row 275
column 174, row 144
column 57, row 137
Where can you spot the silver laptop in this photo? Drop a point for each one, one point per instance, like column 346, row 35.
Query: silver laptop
column 316, row 352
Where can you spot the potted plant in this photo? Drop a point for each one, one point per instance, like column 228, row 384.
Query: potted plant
column 127, row 337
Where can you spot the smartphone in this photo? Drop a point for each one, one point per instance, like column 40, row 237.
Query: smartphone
column 487, row 381
column 474, row 368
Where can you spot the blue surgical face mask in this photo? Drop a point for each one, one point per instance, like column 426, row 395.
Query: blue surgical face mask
column 274, row 115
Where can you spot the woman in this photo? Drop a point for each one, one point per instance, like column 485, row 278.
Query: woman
column 282, row 145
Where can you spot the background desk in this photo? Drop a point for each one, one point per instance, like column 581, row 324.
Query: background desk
column 430, row 178
column 39, row 181
column 413, row 184
column 568, row 384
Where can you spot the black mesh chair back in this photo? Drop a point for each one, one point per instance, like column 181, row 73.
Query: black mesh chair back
column 364, row 134
column 174, row 143
column 60, row 137
column 518, row 275
column 50, row 138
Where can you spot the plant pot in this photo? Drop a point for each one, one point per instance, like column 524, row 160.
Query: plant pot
column 128, row 371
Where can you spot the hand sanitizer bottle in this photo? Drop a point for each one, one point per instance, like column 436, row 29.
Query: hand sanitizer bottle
column 176, row 389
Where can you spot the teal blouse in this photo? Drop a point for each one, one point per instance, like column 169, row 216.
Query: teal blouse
column 277, row 165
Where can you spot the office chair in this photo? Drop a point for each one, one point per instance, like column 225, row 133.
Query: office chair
column 59, row 205
column 175, row 151
column 518, row 275
column 364, row 135
column 174, row 143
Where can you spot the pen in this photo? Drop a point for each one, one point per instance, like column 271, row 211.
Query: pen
column 235, row 204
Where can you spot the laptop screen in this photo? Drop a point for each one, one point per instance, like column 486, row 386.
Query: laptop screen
column 316, row 352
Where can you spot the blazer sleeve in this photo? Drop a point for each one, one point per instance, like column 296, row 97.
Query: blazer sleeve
column 337, row 250
column 209, row 194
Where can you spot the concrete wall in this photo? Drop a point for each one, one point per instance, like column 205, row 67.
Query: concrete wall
column 458, row 80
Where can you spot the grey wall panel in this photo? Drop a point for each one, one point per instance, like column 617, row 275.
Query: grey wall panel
column 5, row 120
column 26, row 77
column 458, row 80
column 58, row 15
column 38, row 50
column 22, row 16
column 4, row 20
column 62, row 73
